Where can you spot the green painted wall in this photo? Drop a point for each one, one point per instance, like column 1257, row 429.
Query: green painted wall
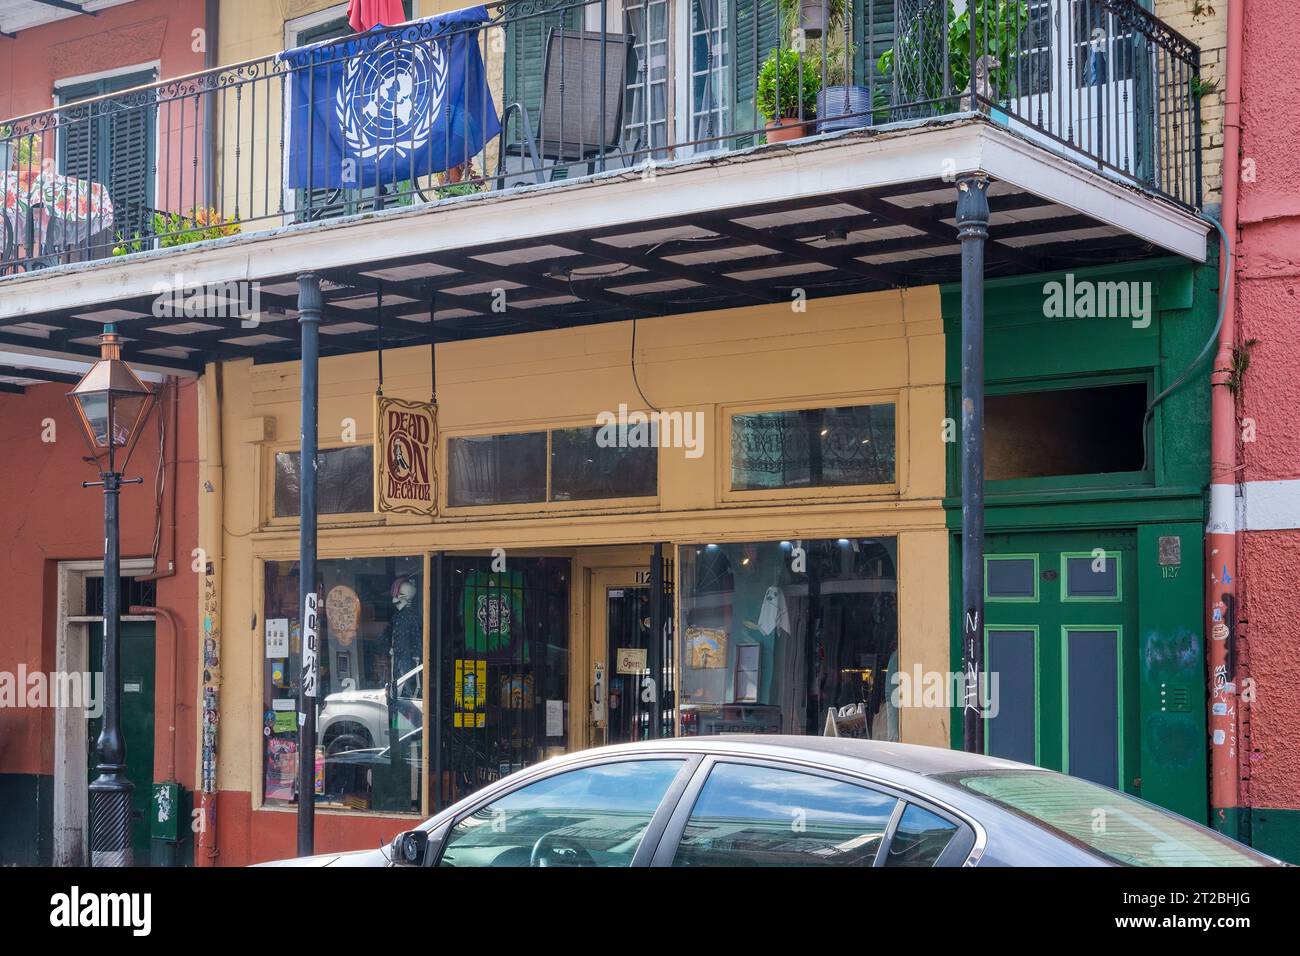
column 26, row 819
column 1026, row 349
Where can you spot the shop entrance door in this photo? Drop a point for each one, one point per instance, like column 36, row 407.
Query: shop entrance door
column 620, row 630
column 622, row 622
column 137, row 668
column 1061, row 636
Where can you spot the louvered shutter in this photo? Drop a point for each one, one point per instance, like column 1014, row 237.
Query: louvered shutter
column 113, row 147
column 755, row 25
column 526, row 54
column 873, row 34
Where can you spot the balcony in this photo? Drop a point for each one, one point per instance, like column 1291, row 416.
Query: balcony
column 598, row 160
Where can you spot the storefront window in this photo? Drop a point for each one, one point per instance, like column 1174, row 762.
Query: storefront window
column 505, row 668
column 813, row 447
column 586, row 465
column 345, row 482
column 370, row 717
column 497, row 469
column 780, row 636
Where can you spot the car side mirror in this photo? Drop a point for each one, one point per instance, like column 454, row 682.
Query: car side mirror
column 411, row 848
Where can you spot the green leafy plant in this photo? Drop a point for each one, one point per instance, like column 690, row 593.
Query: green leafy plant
column 1202, row 87
column 837, row 48
column 25, row 150
column 795, row 79
column 178, row 229
column 1240, row 364
column 998, row 28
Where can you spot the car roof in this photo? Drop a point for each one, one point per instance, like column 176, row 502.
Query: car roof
column 842, row 751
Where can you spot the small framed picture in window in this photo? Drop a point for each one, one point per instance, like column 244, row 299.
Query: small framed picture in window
column 747, row 667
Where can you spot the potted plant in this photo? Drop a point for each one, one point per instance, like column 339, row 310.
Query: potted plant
column 826, row 42
column 813, row 17
column 8, row 149
column 998, row 25
column 788, row 84
column 16, row 151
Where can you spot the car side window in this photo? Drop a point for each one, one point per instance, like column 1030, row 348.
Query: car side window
column 921, row 836
column 749, row 815
column 591, row 816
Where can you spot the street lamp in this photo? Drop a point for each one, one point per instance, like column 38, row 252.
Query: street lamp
column 112, row 404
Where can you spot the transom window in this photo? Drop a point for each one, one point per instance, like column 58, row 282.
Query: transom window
column 813, row 447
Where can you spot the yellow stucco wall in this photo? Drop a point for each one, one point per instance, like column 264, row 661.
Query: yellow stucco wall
column 878, row 346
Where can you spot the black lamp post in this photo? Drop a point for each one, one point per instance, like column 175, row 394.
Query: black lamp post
column 112, row 404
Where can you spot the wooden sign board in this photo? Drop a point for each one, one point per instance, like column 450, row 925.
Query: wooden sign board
column 406, row 441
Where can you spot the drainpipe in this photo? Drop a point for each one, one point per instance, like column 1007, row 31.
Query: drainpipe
column 211, row 549
column 174, row 701
column 1221, row 567
column 164, row 558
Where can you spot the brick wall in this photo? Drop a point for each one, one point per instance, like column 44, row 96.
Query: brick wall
column 1205, row 23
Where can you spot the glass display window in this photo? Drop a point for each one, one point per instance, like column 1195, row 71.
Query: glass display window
column 776, row 635
column 370, row 713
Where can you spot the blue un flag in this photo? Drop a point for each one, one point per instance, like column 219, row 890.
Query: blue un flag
column 390, row 104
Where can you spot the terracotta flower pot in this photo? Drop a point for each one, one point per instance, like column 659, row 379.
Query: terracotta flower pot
column 785, row 129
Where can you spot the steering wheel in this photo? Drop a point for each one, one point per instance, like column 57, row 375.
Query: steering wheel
column 554, row 850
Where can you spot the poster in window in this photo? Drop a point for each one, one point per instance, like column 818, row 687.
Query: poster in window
column 406, row 437
column 343, row 611
column 706, row 647
column 281, row 768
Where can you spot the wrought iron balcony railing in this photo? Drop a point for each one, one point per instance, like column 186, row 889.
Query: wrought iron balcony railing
column 535, row 91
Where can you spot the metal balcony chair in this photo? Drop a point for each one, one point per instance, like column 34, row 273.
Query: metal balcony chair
column 572, row 126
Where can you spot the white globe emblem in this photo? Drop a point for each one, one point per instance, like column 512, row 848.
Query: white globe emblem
column 389, row 97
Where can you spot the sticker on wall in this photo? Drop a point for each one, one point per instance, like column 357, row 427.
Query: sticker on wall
column 343, row 611
column 406, row 437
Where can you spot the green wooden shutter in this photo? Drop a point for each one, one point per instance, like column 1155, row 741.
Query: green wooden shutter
column 755, row 25
column 114, row 147
column 873, row 34
column 525, row 62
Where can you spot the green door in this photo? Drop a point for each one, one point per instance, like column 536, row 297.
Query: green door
column 1061, row 653
column 137, row 657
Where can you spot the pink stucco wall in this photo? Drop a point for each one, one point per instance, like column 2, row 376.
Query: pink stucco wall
column 144, row 32
column 1268, row 298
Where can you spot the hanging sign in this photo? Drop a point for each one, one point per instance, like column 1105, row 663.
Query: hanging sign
column 630, row 660
column 406, row 437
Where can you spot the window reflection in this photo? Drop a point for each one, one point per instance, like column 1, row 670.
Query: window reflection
column 776, row 635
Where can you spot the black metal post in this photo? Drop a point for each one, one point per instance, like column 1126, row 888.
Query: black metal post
column 435, row 690
column 309, row 314
column 654, row 654
column 973, row 232
column 111, row 791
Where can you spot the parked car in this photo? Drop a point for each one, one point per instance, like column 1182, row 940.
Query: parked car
column 797, row 801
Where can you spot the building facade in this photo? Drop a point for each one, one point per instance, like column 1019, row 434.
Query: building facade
column 51, row 688
column 672, row 397
column 51, row 685
column 1258, row 374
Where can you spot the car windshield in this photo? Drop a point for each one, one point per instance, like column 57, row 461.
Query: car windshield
column 1115, row 825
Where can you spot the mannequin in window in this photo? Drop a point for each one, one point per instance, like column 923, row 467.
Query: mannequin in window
column 406, row 632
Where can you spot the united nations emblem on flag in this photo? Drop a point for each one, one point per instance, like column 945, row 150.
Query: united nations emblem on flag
column 389, row 106
column 388, row 98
